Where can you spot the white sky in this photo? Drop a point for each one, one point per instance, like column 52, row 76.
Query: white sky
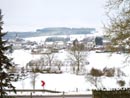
column 29, row 15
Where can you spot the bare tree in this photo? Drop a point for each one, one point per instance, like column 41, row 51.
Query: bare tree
column 34, row 75
column 94, row 76
column 77, row 57
column 50, row 58
column 118, row 27
column 58, row 64
column 34, row 68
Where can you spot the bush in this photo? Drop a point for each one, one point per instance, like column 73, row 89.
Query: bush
column 121, row 82
column 109, row 72
column 96, row 73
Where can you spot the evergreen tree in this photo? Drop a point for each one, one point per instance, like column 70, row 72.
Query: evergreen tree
column 5, row 63
column 99, row 41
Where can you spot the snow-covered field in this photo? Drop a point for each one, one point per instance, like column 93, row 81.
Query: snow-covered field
column 68, row 82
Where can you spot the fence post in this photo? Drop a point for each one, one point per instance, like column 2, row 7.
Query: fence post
column 31, row 95
column 63, row 94
column 76, row 89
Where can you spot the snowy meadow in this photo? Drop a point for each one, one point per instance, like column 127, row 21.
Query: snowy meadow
column 69, row 82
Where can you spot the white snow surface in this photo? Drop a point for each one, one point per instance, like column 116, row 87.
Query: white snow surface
column 68, row 82
column 22, row 57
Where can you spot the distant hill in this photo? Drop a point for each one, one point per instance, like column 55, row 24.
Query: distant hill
column 50, row 31
column 13, row 35
column 64, row 30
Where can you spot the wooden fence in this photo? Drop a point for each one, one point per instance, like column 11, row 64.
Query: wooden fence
column 120, row 93
column 8, row 97
column 28, row 90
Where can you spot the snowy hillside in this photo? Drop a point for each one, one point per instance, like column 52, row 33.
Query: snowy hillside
column 69, row 82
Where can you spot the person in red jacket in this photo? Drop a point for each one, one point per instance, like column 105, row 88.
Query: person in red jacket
column 43, row 83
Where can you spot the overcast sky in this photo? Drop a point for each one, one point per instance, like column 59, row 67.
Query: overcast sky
column 29, row 15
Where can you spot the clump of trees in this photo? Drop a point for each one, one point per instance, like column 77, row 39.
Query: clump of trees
column 5, row 63
column 95, row 76
column 46, row 64
column 54, row 39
